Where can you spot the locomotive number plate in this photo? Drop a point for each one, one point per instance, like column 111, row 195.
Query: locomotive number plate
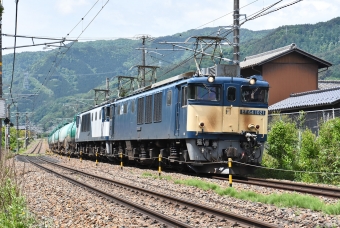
column 253, row 112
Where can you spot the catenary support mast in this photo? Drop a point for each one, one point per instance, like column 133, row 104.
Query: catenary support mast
column 236, row 29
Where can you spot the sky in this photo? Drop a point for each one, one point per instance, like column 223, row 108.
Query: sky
column 130, row 18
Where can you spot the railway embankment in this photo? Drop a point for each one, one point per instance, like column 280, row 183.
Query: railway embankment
column 58, row 203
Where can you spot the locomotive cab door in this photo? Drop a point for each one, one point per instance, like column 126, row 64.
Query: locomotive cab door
column 231, row 110
column 105, row 114
column 112, row 118
column 181, row 110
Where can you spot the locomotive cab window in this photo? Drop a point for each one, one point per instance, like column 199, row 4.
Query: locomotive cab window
column 132, row 106
column 168, row 98
column 205, row 92
column 118, row 109
column 107, row 112
column 231, row 94
column 125, row 110
column 254, row 94
column 184, row 96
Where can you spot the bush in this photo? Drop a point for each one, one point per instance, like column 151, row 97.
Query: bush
column 282, row 143
column 308, row 155
column 328, row 157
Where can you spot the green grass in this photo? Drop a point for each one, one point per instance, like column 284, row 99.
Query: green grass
column 280, row 200
column 13, row 208
column 147, row 174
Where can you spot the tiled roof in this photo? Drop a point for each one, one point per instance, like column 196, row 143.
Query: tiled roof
column 328, row 84
column 308, row 99
column 264, row 57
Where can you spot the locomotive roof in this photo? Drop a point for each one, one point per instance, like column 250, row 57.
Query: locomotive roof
column 187, row 75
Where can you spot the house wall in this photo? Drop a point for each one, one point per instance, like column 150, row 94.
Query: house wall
column 292, row 73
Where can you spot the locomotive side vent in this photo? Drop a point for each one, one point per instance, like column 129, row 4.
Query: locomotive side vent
column 140, row 110
column 157, row 108
column 148, row 109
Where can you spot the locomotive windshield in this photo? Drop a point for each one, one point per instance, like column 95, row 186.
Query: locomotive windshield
column 254, row 94
column 204, row 92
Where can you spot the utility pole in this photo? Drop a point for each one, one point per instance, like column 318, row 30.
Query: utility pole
column 236, row 30
column 7, row 133
column 26, row 126
column 142, row 67
column 1, row 11
column 107, row 89
column 143, row 60
column 17, row 114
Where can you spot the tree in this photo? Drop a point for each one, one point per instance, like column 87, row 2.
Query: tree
column 282, row 143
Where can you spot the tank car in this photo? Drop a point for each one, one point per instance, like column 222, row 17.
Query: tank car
column 57, row 139
column 191, row 120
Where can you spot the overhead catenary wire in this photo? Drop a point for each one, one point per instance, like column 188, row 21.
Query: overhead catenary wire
column 68, row 47
column 56, row 63
column 226, row 33
column 82, row 19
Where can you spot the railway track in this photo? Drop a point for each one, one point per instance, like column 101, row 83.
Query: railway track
column 158, row 216
column 229, row 218
column 296, row 187
column 290, row 186
column 39, row 144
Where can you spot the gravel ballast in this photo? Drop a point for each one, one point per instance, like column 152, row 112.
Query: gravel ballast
column 58, row 203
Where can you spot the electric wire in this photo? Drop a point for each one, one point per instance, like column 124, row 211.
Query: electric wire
column 226, row 33
column 224, row 15
column 14, row 52
column 82, row 19
column 68, row 48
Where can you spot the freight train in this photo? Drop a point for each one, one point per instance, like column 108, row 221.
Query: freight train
column 195, row 120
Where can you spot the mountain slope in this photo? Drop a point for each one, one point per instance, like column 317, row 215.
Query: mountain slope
column 60, row 76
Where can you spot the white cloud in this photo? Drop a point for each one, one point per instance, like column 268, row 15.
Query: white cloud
column 55, row 18
column 69, row 6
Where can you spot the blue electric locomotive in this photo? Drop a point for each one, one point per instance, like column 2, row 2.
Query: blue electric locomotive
column 192, row 120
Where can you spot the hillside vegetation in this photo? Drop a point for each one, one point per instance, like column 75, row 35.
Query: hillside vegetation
column 65, row 78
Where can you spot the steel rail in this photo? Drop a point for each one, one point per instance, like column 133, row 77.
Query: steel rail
column 156, row 215
column 227, row 215
column 39, row 143
column 297, row 187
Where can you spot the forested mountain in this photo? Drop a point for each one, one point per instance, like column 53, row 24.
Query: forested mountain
column 65, row 77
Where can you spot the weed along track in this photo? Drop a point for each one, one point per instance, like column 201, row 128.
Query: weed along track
column 159, row 207
column 290, row 186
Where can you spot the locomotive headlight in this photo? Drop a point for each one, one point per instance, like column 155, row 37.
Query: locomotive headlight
column 251, row 126
column 252, row 81
column 211, row 79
